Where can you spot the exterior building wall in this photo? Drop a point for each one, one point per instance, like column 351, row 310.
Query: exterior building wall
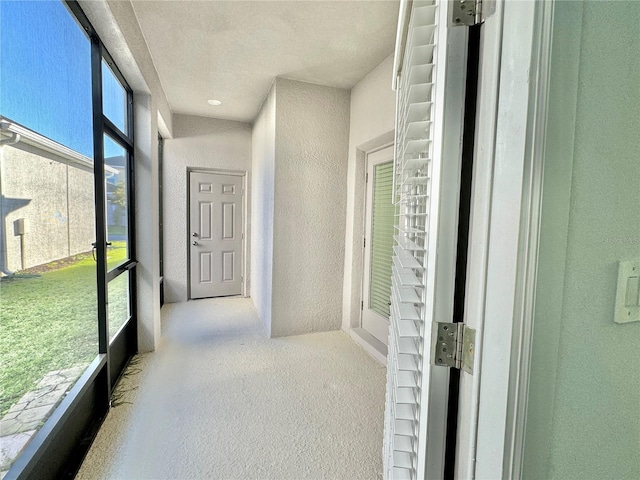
column 56, row 201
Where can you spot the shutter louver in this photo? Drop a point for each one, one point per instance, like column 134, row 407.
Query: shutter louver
column 412, row 167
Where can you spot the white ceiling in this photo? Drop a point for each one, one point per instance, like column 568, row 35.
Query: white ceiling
column 232, row 50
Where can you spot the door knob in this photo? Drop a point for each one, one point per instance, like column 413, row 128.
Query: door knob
column 195, row 234
column 195, row 243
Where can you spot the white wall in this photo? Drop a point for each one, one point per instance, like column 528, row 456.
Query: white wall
column 371, row 126
column 262, row 165
column 312, row 128
column 197, row 142
column 300, row 143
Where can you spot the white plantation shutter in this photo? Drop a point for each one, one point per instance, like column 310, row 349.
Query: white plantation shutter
column 417, row 184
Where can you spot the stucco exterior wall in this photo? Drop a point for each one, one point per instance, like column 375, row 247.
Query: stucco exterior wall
column 263, row 168
column 371, row 126
column 56, row 201
column 311, row 141
column 198, row 142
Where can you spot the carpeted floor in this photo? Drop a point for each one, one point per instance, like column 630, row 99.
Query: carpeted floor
column 218, row 400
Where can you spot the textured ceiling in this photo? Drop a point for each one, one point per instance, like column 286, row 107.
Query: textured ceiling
column 232, row 50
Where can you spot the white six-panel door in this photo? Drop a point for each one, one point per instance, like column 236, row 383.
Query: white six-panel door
column 215, row 234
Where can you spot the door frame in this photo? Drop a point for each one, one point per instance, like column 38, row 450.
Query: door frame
column 368, row 205
column 245, row 222
column 513, row 84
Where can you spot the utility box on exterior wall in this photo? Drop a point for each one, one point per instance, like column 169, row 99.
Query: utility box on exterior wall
column 20, row 226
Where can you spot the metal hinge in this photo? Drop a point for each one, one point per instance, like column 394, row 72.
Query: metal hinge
column 364, row 242
column 471, row 12
column 366, row 177
column 362, row 305
column 455, row 346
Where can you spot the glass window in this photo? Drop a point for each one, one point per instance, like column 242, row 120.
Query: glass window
column 116, row 166
column 48, row 300
column 46, row 73
column 114, row 98
column 118, row 308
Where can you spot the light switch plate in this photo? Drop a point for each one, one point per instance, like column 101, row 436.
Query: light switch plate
column 628, row 292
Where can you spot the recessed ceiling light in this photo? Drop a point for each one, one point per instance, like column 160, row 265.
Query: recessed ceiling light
column 214, row 102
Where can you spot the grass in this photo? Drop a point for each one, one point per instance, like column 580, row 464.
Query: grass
column 49, row 321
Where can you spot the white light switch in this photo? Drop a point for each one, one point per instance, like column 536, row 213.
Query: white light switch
column 628, row 292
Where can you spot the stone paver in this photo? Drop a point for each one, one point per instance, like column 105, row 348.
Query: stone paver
column 24, row 418
column 12, row 445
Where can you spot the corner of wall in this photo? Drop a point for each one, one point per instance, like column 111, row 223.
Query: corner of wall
column 262, row 198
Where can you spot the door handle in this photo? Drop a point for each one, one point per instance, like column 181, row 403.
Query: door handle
column 94, row 245
column 195, row 244
column 195, row 234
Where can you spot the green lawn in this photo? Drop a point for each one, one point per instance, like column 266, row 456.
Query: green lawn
column 49, row 322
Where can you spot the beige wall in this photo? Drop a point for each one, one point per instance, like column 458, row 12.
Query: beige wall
column 55, row 199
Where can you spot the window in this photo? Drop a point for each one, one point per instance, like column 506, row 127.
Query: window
column 67, row 269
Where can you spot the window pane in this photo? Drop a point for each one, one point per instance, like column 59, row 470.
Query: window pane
column 114, row 98
column 117, row 185
column 48, row 301
column 46, row 72
column 382, row 231
column 48, row 298
column 118, row 308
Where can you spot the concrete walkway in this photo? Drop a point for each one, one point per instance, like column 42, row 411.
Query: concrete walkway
column 219, row 400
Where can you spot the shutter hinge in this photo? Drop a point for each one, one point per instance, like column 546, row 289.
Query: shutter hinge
column 362, row 305
column 364, row 242
column 471, row 12
column 455, row 346
column 366, row 177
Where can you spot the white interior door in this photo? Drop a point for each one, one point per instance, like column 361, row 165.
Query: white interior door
column 216, row 234
column 378, row 244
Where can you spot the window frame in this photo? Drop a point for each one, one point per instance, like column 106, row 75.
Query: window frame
column 58, row 448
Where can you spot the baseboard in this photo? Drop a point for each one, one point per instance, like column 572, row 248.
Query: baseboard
column 371, row 344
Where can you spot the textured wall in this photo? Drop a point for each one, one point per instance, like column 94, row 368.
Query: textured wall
column 371, row 125
column 146, row 218
column 312, row 129
column 584, row 404
column 198, row 143
column 55, row 199
column 262, row 165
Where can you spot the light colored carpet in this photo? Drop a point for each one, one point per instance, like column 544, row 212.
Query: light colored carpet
column 218, row 400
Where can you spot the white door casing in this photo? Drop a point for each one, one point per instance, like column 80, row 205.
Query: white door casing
column 372, row 321
column 215, row 234
column 500, row 198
